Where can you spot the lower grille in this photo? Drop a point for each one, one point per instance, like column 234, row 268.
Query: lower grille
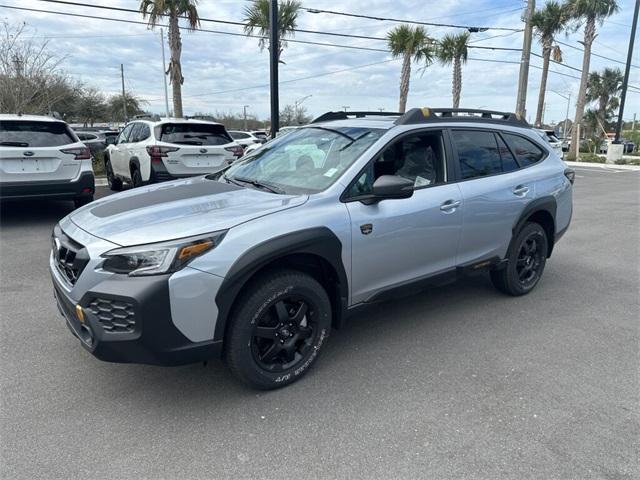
column 114, row 315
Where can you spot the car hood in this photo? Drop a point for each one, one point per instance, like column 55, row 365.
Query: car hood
column 177, row 209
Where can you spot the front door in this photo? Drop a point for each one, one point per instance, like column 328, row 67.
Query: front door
column 398, row 241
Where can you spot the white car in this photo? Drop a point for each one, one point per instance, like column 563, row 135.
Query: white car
column 550, row 137
column 148, row 151
column 42, row 157
column 244, row 138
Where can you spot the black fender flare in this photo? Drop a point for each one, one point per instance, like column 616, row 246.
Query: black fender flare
column 134, row 161
column 546, row 204
column 320, row 242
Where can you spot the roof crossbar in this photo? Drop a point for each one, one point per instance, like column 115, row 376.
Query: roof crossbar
column 341, row 115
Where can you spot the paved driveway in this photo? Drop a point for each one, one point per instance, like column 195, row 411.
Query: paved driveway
column 458, row 382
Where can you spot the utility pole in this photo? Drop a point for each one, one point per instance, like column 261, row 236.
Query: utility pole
column 625, row 83
column 164, row 76
column 124, row 96
column 521, row 101
column 566, row 118
column 274, row 51
column 244, row 112
column 345, row 107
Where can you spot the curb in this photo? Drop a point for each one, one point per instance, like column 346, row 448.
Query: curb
column 101, row 181
column 605, row 166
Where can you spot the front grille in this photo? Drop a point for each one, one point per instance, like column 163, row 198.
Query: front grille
column 70, row 257
column 114, row 315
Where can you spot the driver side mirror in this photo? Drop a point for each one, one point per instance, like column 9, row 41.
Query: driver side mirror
column 111, row 140
column 388, row 187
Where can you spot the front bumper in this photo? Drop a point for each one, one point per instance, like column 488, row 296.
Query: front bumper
column 128, row 320
column 82, row 186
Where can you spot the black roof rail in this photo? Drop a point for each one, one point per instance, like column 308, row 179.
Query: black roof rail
column 341, row 115
column 428, row 115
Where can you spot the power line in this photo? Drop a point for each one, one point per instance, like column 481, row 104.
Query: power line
column 595, row 54
column 218, row 32
column 471, row 28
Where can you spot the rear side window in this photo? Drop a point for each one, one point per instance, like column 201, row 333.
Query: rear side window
column 477, row 153
column 145, row 132
column 525, row 151
column 193, row 134
column 509, row 163
column 34, row 134
column 237, row 135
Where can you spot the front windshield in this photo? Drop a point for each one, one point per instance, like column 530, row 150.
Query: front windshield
column 307, row 160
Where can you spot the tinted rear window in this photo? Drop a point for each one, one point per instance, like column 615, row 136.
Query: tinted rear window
column 525, row 151
column 194, row 134
column 34, row 134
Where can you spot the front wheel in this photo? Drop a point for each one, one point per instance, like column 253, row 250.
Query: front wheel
column 527, row 257
column 276, row 332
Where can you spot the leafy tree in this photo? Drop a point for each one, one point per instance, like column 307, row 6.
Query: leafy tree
column 453, row 50
column 410, row 44
column 547, row 23
column 256, row 18
column 589, row 13
column 91, row 106
column 604, row 89
column 173, row 10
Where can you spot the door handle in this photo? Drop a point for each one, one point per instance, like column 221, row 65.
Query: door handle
column 520, row 190
column 450, row 206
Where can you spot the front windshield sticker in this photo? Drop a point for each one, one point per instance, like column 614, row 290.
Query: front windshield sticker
column 331, row 172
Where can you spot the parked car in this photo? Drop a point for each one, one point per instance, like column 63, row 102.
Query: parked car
column 244, row 138
column 258, row 262
column 42, row 157
column 285, row 130
column 260, row 135
column 149, row 151
column 549, row 136
column 629, row 146
column 96, row 140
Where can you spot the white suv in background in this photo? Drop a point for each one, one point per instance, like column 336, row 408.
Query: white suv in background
column 148, row 152
column 42, row 157
column 244, row 138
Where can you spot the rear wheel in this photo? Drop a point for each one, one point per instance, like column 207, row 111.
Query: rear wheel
column 82, row 201
column 136, row 177
column 276, row 333
column 527, row 257
column 115, row 183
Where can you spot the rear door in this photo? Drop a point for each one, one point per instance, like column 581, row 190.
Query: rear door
column 494, row 189
column 33, row 151
column 200, row 148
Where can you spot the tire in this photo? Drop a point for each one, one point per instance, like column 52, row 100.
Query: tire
column 277, row 330
column 136, row 177
column 115, row 184
column 527, row 257
column 82, row 201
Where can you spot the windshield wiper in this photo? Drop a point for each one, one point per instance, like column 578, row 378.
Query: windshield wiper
column 256, row 183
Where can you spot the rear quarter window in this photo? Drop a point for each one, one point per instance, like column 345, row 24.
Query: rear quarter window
column 193, row 134
column 526, row 152
column 34, row 134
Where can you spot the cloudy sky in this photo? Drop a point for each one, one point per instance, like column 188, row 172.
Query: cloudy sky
column 224, row 72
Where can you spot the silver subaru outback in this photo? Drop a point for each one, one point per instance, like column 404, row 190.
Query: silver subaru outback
column 257, row 263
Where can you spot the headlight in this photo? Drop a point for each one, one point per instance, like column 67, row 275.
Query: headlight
column 158, row 258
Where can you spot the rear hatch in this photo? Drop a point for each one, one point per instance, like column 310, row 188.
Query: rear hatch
column 192, row 148
column 34, row 151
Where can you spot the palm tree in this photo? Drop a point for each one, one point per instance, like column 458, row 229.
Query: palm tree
column 411, row 44
column 174, row 10
column 547, row 23
column 256, row 18
column 453, row 49
column 604, row 88
column 590, row 12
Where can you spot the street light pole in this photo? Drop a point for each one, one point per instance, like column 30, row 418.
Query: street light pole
column 274, row 50
column 244, row 111
column 124, row 96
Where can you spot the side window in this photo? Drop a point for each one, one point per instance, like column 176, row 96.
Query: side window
column 509, row 163
column 525, row 150
column 419, row 158
column 135, row 133
column 144, row 133
column 477, row 153
column 124, row 135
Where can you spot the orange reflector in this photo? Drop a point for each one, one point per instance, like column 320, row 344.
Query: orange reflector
column 79, row 313
column 191, row 250
column 425, row 111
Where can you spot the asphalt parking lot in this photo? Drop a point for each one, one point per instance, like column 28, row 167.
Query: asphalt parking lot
column 457, row 382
